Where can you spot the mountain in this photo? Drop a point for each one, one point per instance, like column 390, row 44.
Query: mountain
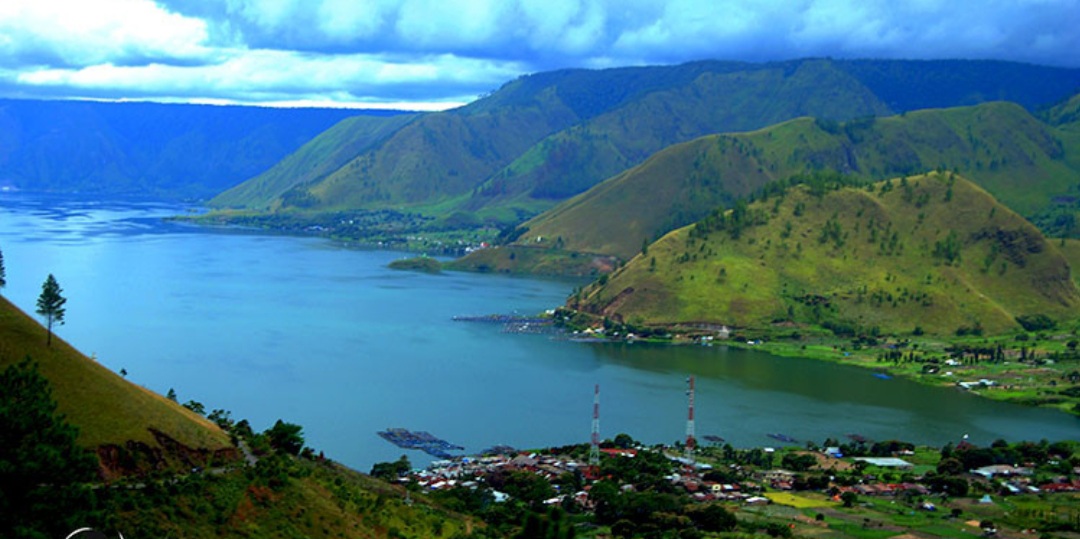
column 1030, row 167
column 548, row 136
column 150, row 149
column 131, row 428
column 934, row 251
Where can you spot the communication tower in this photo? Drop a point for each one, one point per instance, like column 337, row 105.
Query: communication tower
column 594, row 449
column 691, row 442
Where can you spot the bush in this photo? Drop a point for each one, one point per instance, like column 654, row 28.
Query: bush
column 1036, row 322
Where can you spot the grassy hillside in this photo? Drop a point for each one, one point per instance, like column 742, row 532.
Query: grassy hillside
column 545, row 137
column 280, row 498
column 575, row 159
column 1026, row 164
column 148, row 149
column 314, row 160
column 932, row 251
column 108, row 410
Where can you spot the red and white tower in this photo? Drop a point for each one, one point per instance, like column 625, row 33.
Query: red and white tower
column 691, row 442
column 594, row 449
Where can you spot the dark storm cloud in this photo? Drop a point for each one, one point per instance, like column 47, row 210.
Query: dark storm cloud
column 443, row 52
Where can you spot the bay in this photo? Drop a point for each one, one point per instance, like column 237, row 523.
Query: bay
column 325, row 335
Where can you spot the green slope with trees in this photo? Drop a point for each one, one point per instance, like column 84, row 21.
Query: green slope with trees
column 930, row 254
column 1029, row 166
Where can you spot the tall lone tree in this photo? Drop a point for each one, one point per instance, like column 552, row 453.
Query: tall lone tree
column 50, row 304
column 3, row 272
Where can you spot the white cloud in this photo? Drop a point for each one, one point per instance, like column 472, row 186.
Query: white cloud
column 89, row 32
column 283, row 76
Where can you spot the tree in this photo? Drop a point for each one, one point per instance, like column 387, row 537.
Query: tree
column 50, row 304
column 286, row 437
column 43, row 472
column 390, row 471
column 3, row 272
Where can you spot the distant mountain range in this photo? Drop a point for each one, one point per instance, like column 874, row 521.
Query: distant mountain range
column 148, row 149
column 543, row 138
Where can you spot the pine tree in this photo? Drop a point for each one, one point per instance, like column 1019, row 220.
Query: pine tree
column 50, row 304
column 3, row 272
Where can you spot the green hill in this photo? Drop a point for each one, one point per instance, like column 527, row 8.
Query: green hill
column 1029, row 166
column 124, row 423
column 545, row 137
column 934, row 251
column 316, row 159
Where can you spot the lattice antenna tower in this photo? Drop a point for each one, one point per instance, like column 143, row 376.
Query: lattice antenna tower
column 594, row 449
column 691, row 442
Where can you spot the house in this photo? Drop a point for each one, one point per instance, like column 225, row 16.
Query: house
column 1001, row 470
column 886, row 462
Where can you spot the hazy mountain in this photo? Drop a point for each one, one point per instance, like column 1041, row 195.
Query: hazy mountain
column 148, row 148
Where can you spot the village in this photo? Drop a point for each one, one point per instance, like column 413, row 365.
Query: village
column 809, row 485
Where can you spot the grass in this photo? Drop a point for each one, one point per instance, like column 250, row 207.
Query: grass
column 799, row 502
column 106, row 408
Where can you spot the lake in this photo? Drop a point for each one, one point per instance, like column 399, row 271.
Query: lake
column 325, row 335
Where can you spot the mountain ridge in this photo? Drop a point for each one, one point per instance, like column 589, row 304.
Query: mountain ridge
column 1029, row 166
column 574, row 128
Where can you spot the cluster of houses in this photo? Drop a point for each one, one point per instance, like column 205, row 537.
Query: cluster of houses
column 470, row 473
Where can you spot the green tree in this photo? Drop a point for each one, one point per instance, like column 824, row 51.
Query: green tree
column 713, row 518
column 50, row 305
column 42, row 470
column 389, row 471
column 3, row 272
column 287, row 437
column 849, row 498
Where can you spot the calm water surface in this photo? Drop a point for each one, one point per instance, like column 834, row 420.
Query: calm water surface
column 326, row 336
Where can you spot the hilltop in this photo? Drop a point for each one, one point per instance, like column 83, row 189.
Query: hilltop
column 548, row 136
column 930, row 254
column 1031, row 167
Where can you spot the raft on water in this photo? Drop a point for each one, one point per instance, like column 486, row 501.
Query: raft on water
column 420, row 440
column 783, row 438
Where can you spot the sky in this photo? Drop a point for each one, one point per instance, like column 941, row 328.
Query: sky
column 438, row 54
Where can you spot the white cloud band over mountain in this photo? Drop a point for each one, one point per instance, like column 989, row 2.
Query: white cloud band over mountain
column 432, row 54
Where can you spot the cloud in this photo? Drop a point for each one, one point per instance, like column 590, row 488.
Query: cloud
column 285, row 76
column 86, row 33
column 435, row 51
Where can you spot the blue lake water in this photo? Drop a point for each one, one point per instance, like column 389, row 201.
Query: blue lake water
column 325, row 335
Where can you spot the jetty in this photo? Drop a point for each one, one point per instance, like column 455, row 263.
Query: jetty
column 420, row 440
